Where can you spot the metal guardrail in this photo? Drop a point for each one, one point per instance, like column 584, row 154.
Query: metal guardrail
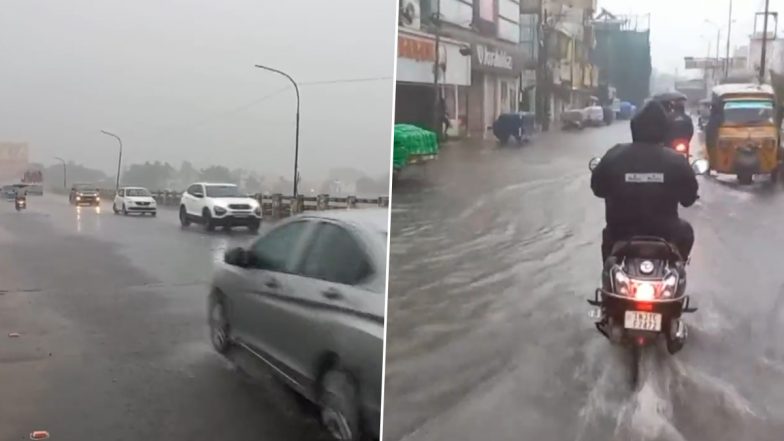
column 279, row 206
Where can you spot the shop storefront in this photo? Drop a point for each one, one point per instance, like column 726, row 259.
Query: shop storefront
column 495, row 83
column 414, row 96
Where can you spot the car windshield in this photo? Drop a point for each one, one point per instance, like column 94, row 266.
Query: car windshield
column 85, row 188
column 223, row 191
column 137, row 192
column 749, row 112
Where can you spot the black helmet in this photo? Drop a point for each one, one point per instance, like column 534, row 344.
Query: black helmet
column 650, row 124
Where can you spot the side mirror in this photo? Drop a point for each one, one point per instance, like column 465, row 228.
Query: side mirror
column 700, row 166
column 236, row 256
column 198, row 194
column 593, row 163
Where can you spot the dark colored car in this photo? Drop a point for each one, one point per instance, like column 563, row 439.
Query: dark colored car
column 84, row 194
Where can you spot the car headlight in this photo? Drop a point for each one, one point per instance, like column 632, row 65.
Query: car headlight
column 78, row 198
column 219, row 210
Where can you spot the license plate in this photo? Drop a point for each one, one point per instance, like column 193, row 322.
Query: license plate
column 241, row 216
column 642, row 321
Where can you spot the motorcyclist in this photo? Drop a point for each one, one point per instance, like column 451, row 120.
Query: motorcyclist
column 681, row 125
column 642, row 184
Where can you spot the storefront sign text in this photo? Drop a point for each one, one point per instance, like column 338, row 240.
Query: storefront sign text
column 491, row 58
column 415, row 49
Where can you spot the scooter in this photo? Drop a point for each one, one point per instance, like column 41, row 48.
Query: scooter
column 20, row 203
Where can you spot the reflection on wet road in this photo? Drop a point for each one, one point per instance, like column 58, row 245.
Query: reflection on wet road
column 494, row 252
column 111, row 317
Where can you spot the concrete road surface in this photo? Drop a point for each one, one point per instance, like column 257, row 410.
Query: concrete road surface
column 494, row 252
column 113, row 343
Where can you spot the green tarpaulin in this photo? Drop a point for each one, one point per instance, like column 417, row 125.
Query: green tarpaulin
column 412, row 141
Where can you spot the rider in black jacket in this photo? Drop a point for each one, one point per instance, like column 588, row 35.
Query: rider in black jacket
column 681, row 125
column 642, row 184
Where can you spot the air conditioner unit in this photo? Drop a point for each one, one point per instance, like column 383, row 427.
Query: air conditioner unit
column 410, row 14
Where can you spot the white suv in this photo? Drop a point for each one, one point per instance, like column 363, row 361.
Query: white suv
column 222, row 205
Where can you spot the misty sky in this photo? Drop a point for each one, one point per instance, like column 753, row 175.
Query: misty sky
column 175, row 79
column 678, row 27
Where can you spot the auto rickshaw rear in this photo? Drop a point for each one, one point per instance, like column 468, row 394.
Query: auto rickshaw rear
column 742, row 138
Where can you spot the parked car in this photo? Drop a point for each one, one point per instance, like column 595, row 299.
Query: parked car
column 134, row 200
column 307, row 299
column 223, row 205
column 84, row 194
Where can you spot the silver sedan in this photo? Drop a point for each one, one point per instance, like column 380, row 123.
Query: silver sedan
column 307, row 299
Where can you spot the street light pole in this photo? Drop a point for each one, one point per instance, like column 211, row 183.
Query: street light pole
column 65, row 171
column 119, row 158
column 296, row 135
column 764, row 43
column 729, row 34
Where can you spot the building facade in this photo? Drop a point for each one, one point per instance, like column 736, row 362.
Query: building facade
column 480, row 62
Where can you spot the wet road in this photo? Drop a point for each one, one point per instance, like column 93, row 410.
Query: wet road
column 494, row 252
column 113, row 343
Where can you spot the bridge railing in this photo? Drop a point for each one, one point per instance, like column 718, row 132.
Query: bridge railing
column 277, row 205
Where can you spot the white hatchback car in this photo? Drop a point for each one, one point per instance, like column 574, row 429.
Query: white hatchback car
column 134, row 200
column 223, row 205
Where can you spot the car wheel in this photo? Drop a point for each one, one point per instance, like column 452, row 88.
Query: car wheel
column 153, row 214
column 339, row 409
column 254, row 227
column 184, row 221
column 124, row 211
column 219, row 325
column 209, row 225
column 114, row 208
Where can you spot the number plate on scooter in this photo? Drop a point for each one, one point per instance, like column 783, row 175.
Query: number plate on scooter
column 642, row 321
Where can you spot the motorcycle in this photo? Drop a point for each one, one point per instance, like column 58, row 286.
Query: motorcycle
column 643, row 294
column 20, row 203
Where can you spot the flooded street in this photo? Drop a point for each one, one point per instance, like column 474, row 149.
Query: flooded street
column 494, row 252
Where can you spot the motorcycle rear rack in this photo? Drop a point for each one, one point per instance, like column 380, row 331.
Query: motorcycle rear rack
column 597, row 302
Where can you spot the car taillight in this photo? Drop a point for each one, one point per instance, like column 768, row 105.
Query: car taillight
column 681, row 148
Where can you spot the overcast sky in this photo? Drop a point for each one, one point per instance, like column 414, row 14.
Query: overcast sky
column 175, row 79
column 678, row 27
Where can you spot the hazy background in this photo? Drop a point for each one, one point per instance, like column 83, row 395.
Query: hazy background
column 175, row 79
column 678, row 27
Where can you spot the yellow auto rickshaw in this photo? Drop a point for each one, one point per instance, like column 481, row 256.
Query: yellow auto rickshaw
column 742, row 137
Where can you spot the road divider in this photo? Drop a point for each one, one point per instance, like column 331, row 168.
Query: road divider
column 276, row 206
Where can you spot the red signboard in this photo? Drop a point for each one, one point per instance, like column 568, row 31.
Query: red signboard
column 416, row 49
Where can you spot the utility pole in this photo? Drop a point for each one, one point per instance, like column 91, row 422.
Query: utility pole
column 729, row 34
column 764, row 43
column 437, row 117
column 541, row 71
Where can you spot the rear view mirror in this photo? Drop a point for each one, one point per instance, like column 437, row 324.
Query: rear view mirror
column 593, row 163
column 236, row 256
column 700, row 166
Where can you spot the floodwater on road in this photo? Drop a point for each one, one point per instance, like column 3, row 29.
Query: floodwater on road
column 109, row 317
column 494, row 252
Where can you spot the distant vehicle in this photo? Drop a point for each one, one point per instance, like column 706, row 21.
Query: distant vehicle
column 307, row 299
column 34, row 179
column 223, row 205
column 134, row 200
column 84, row 194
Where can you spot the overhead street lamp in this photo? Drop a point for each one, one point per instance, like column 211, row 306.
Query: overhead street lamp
column 119, row 158
column 296, row 135
column 65, row 171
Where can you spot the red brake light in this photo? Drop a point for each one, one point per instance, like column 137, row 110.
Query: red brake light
column 681, row 147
